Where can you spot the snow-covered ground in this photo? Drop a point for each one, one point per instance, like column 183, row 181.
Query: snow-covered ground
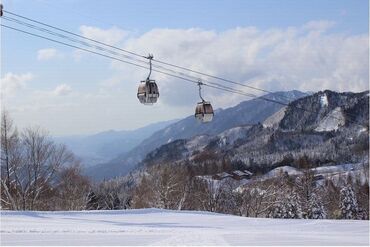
column 165, row 227
column 332, row 121
column 275, row 118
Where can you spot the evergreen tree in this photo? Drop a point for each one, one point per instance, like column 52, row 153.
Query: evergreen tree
column 316, row 208
column 288, row 207
column 348, row 203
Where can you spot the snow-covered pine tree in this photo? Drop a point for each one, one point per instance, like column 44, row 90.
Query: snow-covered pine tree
column 288, row 207
column 293, row 208
column 316, row 208
column 348, row 203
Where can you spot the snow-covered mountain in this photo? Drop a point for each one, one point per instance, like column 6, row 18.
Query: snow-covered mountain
column 332, row 129
column 248, row 112
column 327, row 111
column 103, row 146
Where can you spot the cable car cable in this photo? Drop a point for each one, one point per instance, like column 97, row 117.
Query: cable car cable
column 136, row 54
column 119, row 54
column 70, row 39
column 232, row 90
column 104, row 49
column 150, row 57
column 71, row 33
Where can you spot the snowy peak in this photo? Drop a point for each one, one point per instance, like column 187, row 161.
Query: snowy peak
column 326, row 111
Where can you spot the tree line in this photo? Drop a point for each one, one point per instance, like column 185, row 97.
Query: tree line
column 39, row 174
column 284, row 196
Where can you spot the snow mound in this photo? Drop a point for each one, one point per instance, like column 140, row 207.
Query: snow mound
column 338, row 168
column 332, row 121
column 281, row 170
column 275, row 118
column 339, row 173
column 167, row 227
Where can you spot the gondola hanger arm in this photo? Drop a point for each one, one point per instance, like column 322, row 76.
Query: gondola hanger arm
column 200, row 83
column 150, row 57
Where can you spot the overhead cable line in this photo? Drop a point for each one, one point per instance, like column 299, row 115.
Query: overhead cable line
column 114, row 58
column 74, row 34
column 141, row 56
column 115, row 53
column 132, row 53
column 69, row 38
column 211, row 84
column 101, row 48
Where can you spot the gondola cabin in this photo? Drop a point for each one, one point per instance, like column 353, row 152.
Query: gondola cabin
column 147, row 92
column 204, row 112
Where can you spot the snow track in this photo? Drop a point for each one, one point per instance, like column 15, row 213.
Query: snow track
column 166, row 227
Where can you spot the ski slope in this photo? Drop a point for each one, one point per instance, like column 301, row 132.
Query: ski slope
column 166, row 227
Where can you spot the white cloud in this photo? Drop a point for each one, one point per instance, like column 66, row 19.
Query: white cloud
column 62, row 90
column 308, row 58
column 321, row 25
column 48, row 96
column 110, row 36
column 47, row 54
column 11, row 83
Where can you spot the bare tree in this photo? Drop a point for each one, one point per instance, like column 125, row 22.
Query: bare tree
column 29, row 165
column 42, row 159
column 72, row 189
column 143, row 192
column 163, row 186
column 11, row 157
column 208, row 194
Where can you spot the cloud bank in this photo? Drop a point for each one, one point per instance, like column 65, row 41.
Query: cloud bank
column 11, row 83
column 310, row 57
column 307, row 58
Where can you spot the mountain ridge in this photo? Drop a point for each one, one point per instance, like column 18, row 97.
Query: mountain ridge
column 295, row 136
column 247, row 112
column 99, row 147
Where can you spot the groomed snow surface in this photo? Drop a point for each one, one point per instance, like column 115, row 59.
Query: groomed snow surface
column 166, row 227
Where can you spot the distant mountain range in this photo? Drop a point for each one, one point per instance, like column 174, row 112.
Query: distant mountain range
column 246, row 113
column 326, row 128
column 103, row 146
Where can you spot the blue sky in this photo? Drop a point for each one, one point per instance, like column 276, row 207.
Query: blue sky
column 306, row 45
column 144, row 15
